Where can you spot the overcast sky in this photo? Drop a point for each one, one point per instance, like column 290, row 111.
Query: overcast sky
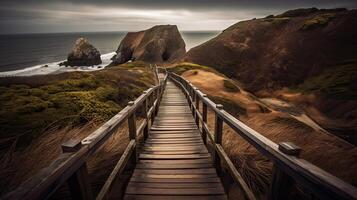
column 28, row 16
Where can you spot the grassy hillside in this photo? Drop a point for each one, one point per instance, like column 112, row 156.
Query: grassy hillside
column 30, row 105
column 283, row 50
column 337, row 82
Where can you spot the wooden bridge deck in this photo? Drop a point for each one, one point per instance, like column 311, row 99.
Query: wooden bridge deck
column 174, row 163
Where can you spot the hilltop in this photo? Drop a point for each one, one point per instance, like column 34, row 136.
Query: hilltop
column 304, row 56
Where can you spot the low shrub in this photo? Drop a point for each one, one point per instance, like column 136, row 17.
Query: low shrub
column 229, row 86
column 320, row 20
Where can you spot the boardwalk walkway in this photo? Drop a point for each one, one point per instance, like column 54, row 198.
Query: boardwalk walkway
column 174, row 163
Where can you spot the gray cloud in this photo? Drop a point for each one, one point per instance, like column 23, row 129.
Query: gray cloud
column 110, row 15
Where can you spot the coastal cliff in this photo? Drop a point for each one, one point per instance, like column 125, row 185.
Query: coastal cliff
column 159, row 44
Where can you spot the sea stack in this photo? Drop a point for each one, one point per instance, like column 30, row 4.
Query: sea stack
column 83, row 54
column 159, row 44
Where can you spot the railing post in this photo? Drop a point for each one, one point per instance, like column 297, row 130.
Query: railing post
column 146, row 128
column 153, row 108
column 78, row 184
column 218, row 128
column 282, row 183
column 204, row 119
column 193, row 100
column 197, row 109
column 158, row 100
column 132, row 126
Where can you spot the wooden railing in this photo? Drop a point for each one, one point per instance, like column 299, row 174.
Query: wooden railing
column 288, row 168
column 71, row 166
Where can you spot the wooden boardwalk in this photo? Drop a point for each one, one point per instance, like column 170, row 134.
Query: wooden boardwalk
column 174, row 162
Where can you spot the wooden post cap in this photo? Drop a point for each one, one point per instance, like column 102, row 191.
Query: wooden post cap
column 71, row 146
column 131, row 103
column 204, row 95
column 219, row 106
column 289, row 148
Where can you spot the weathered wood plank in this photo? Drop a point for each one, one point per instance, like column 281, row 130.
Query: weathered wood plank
column 160, row 197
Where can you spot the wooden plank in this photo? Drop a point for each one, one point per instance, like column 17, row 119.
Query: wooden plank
column 175, row 191
column 174, row 152
column 176, row 180
column 173, row 157
column 201, row 160
column 175, row 185
column 160, row 197
column 174, row 166
column 177, row 171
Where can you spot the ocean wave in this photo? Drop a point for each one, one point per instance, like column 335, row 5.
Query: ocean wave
column 54, row 68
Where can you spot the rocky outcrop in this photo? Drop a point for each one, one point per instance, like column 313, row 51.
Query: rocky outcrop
column 83, row 54
column 159, row 44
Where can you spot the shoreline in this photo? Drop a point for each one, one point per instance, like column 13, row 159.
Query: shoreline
column 54, row 68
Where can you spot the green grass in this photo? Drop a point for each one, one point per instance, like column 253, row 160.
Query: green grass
column 229, row 86
column 29, row 109
column 185, row 66
column 320, row 20
column 338, row 82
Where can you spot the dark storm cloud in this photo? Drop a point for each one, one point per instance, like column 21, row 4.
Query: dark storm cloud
column 106, row 15
column 211, row 4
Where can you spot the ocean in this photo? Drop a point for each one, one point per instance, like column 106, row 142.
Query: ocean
column 26, row 52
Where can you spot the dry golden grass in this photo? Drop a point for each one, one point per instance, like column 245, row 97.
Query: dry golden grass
column 324, row 150
column 17, row 167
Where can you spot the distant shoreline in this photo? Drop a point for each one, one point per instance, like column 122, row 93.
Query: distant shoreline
column 54, row 68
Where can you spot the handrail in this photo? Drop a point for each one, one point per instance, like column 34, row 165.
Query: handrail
column 70, row 166
column 288, row 168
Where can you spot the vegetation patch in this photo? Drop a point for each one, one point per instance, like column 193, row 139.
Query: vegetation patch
column 28, row 109
column 230, row 86
column 277, row 20
column 338, row 82
column 292, row 122
column 233, row 107
column 320, row 20
column 185, row 66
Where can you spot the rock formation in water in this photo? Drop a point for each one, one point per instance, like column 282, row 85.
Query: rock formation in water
column 159, row 44
column 83, row 54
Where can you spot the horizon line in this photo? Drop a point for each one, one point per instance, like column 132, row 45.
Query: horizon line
column 28, row 33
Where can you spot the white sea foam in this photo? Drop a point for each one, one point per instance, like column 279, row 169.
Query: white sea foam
column 54, row 68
